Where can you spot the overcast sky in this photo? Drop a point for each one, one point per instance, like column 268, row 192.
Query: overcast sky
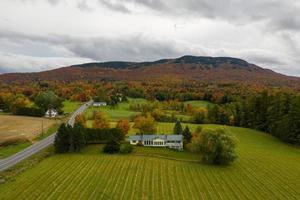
column 38, row 35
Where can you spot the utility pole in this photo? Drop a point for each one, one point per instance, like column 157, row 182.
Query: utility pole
column 42, row 128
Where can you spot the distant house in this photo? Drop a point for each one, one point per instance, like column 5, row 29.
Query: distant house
column 169, row 141
column 52, row 113
column 98, row 104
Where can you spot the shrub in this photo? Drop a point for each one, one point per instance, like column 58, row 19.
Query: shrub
column 111, row 147
column 216, row 146
column 126, row 149
column 139, row 144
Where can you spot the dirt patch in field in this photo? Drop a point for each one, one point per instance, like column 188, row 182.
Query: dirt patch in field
column 20, row 127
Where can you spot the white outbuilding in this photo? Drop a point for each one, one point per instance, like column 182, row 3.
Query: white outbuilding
column 51, row 113
column 98, row 104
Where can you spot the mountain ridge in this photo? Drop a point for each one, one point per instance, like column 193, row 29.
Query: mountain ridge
column 200, row 68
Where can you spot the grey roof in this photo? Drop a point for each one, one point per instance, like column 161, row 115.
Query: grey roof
column 152, row 137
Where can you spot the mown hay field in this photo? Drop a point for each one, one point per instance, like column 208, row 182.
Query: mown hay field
column 266, row 169
column 21, row 127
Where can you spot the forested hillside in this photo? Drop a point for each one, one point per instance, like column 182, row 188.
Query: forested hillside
column 202, row 69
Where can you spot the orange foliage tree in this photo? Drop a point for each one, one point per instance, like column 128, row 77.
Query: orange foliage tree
column 124, row 125
column 81, row 120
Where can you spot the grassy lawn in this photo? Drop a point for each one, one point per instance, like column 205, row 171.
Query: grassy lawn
column 70, row 106
column 115, row 113
column 12, row 149
column 266, row 169
column 162, row 127
column 199, row 104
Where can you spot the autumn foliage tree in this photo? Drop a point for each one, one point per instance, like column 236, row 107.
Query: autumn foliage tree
column 199, row 115
column 101, row 120
column 80, row 119
column 124, row 125
column 145, row 124
column 20, row 102
column 216, row 146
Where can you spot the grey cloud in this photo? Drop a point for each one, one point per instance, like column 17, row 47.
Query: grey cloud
column 266, row 60
column 21, row 63
column 277, row 14
column 280, row 15
column 114, row 5
column 134, row 48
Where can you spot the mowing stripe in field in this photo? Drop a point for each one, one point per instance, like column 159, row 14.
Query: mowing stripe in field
column 266, row 169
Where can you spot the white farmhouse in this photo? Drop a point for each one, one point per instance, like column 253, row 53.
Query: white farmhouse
column 98, row 104
column 51, row 113
column 169, row 141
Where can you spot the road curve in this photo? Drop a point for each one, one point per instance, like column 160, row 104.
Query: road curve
column 36, row 147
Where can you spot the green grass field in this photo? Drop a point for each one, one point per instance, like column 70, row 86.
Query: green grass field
column 70, row 106
column 198, row 104
column 266, row 169
column 162, row 127
column 115, row 113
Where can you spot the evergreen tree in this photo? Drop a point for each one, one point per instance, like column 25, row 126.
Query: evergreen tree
column 69, row 139
column 61, row 141
column 78, row 137
column 187, row 135
column 177, row 128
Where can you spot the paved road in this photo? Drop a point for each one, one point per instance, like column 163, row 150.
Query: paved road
column 36, row 147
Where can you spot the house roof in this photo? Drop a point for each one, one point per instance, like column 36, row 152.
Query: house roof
column 152, row 137
column 52, row 109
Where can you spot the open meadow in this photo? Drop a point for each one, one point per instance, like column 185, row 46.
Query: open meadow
column 266, row 169
column 199, row 103
column 121, row 111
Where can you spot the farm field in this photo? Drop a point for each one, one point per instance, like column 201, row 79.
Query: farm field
column 20, row 127
column 266, row 169
column 27, row 130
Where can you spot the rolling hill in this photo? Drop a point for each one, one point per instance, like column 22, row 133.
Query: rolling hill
column 206, row 69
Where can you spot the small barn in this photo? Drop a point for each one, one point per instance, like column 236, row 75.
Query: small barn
column 51, row 113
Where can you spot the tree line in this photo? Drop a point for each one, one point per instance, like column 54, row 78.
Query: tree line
column 277, row 114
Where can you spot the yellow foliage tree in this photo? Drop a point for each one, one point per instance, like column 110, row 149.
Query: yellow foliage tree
column 101, row 120
column 145, row 124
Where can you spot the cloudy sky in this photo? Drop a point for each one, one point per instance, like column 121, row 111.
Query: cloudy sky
column 38, row 35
